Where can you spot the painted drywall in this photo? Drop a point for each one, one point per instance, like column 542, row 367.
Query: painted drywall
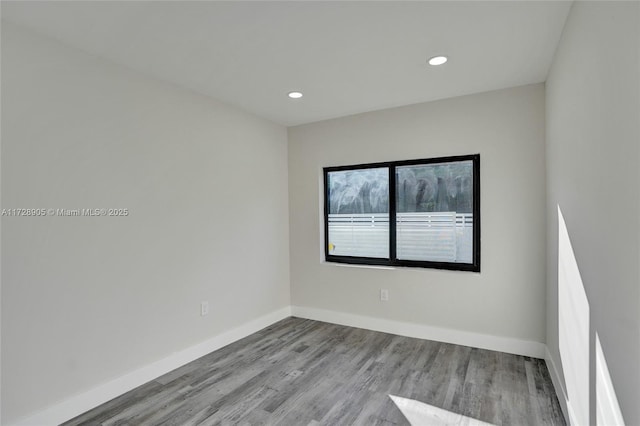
column 592, row 153
column 507, row 298
column 88, row 299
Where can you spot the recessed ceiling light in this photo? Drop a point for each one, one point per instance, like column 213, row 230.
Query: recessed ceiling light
column 437, row 60
column 295, row 95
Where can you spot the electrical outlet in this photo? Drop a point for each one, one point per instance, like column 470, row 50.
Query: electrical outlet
column 384, row 294
column 204, row 308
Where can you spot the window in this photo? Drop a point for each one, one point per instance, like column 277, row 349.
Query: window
column 423, row 213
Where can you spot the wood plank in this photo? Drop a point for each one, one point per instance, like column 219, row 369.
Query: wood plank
column 306, row 372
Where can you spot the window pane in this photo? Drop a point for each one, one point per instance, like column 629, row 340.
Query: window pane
column 434, row 220
column 359, row 213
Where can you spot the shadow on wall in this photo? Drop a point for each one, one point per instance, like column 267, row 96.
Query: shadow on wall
column 579, row 345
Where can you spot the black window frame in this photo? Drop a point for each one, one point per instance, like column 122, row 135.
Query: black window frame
column 474, row 266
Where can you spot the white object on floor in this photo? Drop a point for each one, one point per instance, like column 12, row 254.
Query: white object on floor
column 421, row 414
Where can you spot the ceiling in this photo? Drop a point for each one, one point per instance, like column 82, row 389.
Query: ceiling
column 346, row 57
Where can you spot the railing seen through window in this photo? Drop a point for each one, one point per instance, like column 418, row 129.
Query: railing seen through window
column 423, row 213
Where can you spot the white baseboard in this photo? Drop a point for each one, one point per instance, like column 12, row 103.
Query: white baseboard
column 483, row 341
column 559, row 388
column 72, row 407
column 78, row 404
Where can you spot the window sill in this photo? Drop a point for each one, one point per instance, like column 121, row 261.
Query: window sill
column 362, row 266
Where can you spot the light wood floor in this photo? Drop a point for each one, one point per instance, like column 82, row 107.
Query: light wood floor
column 301, row 372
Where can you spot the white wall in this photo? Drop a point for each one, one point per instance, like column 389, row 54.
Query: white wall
column 85, row 299
column 593, row 140
column 507, row 298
